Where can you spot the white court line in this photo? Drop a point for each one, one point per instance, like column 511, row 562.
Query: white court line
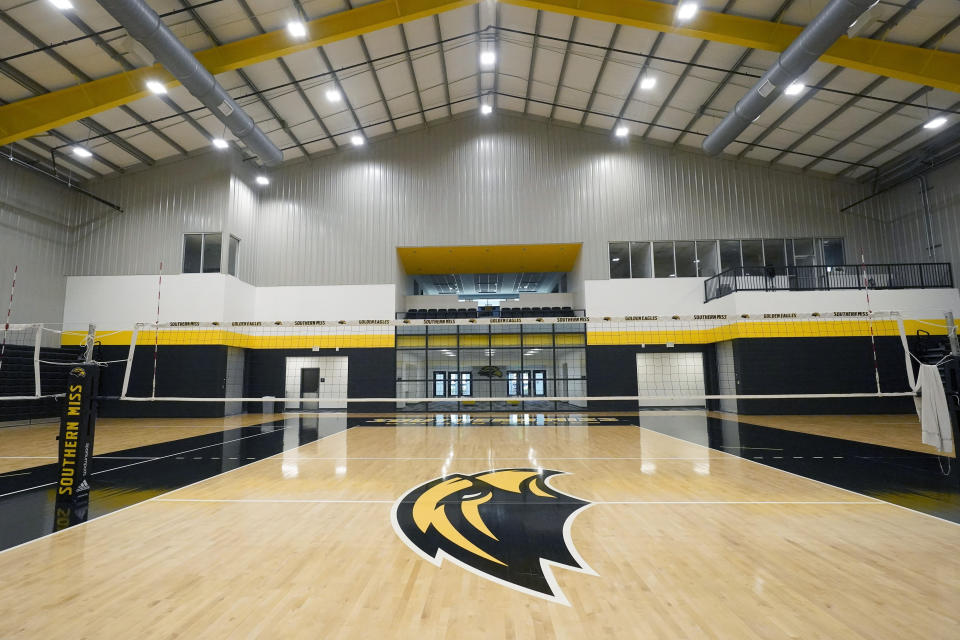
column 593, row 502
column 797, row 475
column 10, row 475
column 485, row 458
column 28, row 457
column 142, row 502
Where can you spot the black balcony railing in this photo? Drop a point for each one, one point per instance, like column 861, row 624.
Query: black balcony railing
column 930, row 275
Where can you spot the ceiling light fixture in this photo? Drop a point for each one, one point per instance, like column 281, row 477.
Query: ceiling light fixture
column 81, row 152
column 622, row 131
column 297, row 29
column 263, row 181
column 488, row 58
column 63, row 5
column 156, row 87
column 486, row 109
column 334, row 96
column 648, row 82
column 687, row 10
column 936, row 123
column 357, row 141
column 220, row 143
column 794, row 88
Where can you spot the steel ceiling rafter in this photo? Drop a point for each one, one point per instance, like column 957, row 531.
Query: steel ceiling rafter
column 874, row 84
column 893, row 143
column 563, row 67
column 683, row 76
column 208, row 31
column 271, row 88
column 533, row 60
column 932, row 41
column 890, row 59
column 496, row 51
column 28, row 117
column 864, row 129
column 413, row 72
column 32, row 85
column 707, row 67
column 636, row 81
column 702, row 109
column 81, row 75
column 603, row 67
column 361, row 39
column 125, row 65
column 663, row 126
column 831, row 75
column 50, row 151
column 443, row 61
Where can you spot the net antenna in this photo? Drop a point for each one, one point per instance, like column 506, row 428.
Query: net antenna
column 952, row 335
column 6, row 326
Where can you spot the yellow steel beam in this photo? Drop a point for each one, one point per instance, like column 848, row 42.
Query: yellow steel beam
column 923, row 66
column 35, row 115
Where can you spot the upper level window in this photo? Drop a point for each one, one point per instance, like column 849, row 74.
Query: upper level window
column 705, row 258
column 201, row 252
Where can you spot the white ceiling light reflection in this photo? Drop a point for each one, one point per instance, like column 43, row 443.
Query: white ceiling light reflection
column 701, row 468
column 648, row 468
column 341, row 469
column 290, row 469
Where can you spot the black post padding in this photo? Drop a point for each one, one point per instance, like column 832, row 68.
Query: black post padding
column 951, row 371
column 77, row 426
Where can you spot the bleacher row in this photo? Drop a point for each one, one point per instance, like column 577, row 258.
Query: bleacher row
column 489, row 312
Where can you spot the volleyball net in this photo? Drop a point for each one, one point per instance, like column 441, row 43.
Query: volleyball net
column 776, row 363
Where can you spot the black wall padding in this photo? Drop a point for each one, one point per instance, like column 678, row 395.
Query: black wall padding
column 820, row 365
column 182, row 371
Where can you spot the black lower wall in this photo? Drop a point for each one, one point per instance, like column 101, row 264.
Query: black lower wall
column 371, row 374
column 182, row 371
column 820, row 365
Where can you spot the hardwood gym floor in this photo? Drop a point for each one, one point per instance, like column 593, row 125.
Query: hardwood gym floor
column 305, row 537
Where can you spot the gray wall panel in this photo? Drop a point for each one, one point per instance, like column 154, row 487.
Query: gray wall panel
column 35, row 235
column 160, row 205
column 510, row 180
column 498, row 180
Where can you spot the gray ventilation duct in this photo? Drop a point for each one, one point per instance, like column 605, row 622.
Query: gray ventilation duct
column 813, row 41
column 145, row 26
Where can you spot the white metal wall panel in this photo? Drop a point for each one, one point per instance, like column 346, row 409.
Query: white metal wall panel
column 914, row 238
column 34, row 234
column 510, row 180
column 497, row 180
column 160, row 205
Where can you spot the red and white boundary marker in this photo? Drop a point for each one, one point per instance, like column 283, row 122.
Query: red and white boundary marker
column 873, row 339
column 156, row 335
column 6, row 326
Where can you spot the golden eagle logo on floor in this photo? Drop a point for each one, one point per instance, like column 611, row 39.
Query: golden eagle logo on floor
column 506, row 525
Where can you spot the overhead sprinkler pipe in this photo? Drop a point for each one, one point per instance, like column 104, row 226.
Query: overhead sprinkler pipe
column 818, row 36
column 146, row 27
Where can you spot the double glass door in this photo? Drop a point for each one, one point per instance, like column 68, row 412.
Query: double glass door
column 527, row 383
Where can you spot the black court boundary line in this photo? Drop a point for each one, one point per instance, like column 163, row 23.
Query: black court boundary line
column 144, row 461
column 155, row 498
column 797, row 475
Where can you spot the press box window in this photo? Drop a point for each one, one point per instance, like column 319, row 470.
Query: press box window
column 201, row 252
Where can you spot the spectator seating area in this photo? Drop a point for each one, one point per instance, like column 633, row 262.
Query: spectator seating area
column 490, row 312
